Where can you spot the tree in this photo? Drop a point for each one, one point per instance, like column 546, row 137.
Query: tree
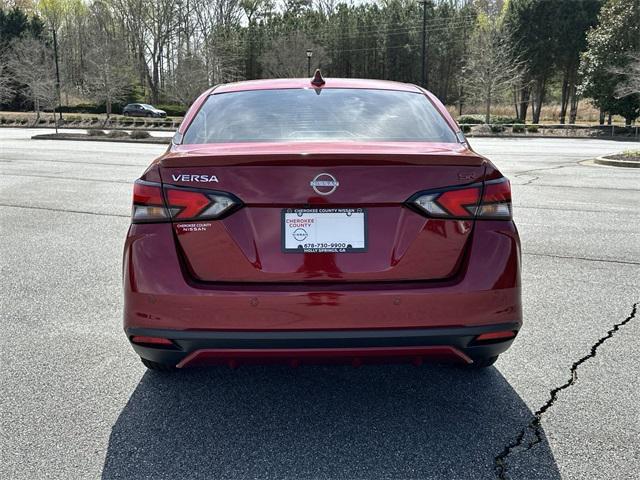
column 108, row 77
column 53, row 12
column 287, row 56
column 532, row 24
column 630, row 84
column 7, row 90
column 15, row 23
column 574, row 19
column 610, row 48
column 492, row 67
column 189, row 67
column 31, row 63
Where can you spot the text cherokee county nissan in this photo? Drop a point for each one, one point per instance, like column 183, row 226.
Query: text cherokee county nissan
column 304, row 221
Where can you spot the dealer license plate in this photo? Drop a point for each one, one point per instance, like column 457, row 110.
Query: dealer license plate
column 324, row 230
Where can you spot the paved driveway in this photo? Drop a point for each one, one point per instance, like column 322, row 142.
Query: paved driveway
column 77, row 403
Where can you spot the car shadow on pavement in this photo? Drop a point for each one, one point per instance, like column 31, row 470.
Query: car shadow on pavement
column 393, row 421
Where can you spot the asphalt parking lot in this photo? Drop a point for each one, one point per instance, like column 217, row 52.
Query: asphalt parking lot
column 77, row 403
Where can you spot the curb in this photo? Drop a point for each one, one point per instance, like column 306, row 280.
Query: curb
column 92, row 127
column 53, row 136
column 612, row 162
column 530, row 136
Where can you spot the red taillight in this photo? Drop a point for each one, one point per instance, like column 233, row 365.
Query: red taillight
column 466, row 202
column 148, row 204
column 151, row 204
column 495, row 336
column 159, row 341
column 496, row 200
column 188, row 204
column 454, row 203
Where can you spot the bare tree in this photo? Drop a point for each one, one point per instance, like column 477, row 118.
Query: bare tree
column 326, row 7
column 631, row 74
column 53, row 11
column 189, row 79
column 108, row 76
column 287, row 56
column 31, row 62
column 6, row 85
column 492, row 66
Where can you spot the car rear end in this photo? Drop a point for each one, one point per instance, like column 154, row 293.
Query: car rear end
column 300, row 225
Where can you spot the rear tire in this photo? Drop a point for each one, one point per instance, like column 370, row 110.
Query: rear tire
column 482, row 363
column 158, row 367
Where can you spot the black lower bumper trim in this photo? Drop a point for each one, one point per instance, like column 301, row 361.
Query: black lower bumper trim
column 189, row 341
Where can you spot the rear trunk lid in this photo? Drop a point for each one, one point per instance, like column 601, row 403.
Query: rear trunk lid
column 275, row 179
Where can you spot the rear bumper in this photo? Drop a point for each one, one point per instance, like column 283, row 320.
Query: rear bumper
column 295, row 347
column 159, row 294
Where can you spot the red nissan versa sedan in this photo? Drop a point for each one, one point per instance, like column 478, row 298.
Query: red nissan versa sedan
column 300, row 221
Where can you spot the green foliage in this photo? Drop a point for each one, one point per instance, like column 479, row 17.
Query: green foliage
column 478, row 119
column 466, row 128
column 96, row 133
column 497, row 128
column 609, row 44
column 532, row 128
column 471, row 120
column 518, row 128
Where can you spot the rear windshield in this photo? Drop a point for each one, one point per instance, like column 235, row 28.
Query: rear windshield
column 318, row 115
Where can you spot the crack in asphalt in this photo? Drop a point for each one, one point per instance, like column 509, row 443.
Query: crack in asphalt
column 526, row 173
column 48, row 209
column 500, row 461
column 586, row 259
column 60, row 177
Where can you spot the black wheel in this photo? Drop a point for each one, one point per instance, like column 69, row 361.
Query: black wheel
column 158, row 367
column 483, row 363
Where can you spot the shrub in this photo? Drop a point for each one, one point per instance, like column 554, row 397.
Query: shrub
column 3, row 120
column 518, row 128
column 471, row 120
column 500, row 120
column 532, row 128
column 173, row 110
column 138, row 134
column 497, row 128
column 96, row 133
column 465, row 128
column 117, row 134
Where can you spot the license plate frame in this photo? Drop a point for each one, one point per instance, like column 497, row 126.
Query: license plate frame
column 318, row 243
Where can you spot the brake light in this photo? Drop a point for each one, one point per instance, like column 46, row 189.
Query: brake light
column 148, row 204
column 489, row 201
column 152, row 204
